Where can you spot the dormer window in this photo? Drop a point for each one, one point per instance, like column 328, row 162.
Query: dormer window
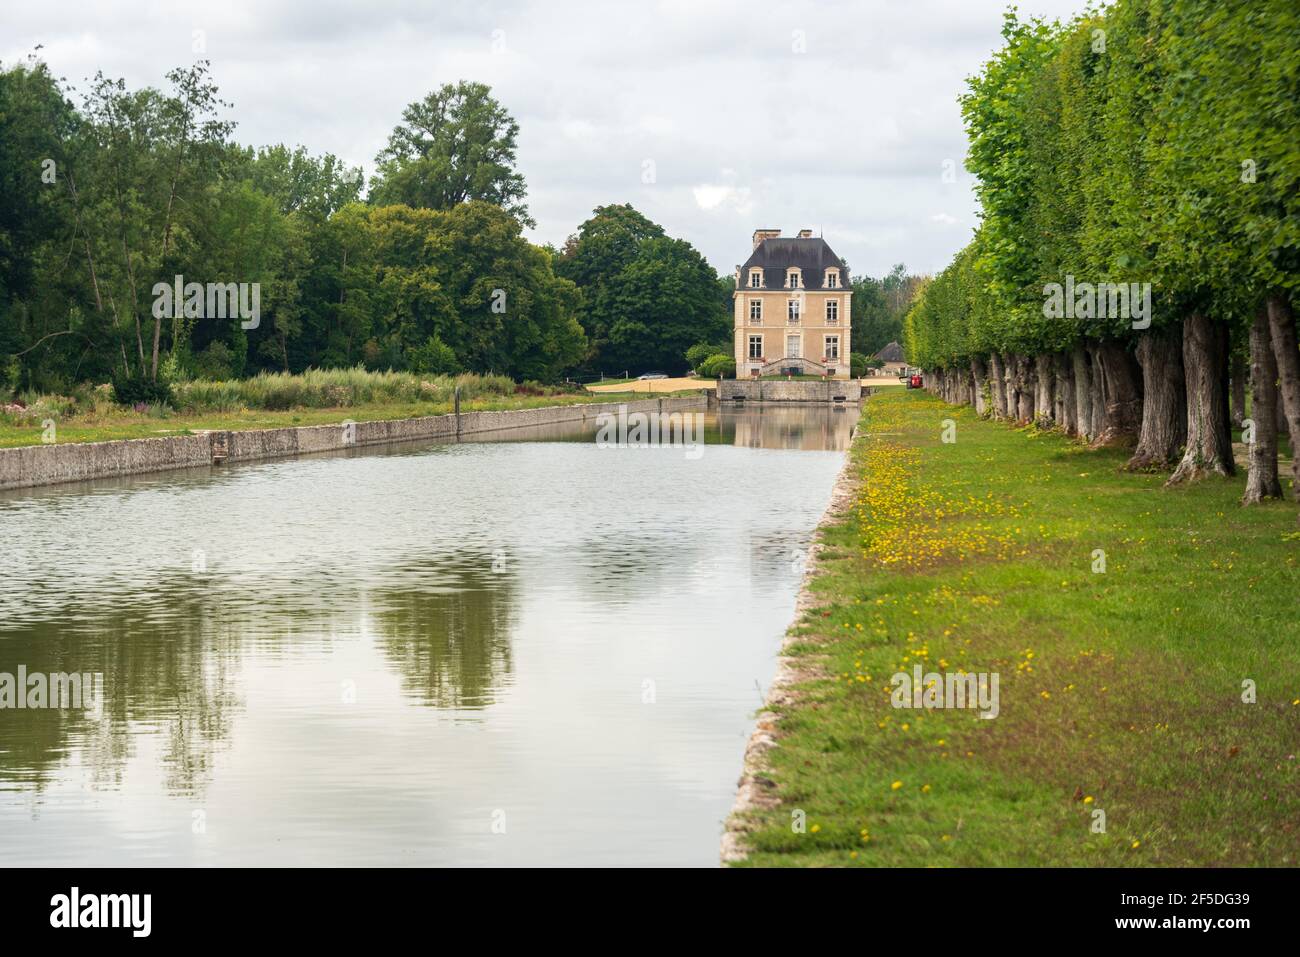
column 793, row 278
column 832, row 278
column 756, row 279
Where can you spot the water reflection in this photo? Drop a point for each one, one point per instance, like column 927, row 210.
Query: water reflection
column 356, row 658
column 772, row 426
column 450, row 640
column 177, row 678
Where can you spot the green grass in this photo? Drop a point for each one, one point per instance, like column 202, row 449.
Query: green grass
column 107, row 422
column 1123, row 686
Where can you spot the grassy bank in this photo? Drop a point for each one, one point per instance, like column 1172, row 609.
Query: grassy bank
column 1120, row 689
column 317, row 397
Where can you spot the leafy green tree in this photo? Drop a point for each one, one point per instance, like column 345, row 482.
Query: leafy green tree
column 456, row 144
column 313, row 186
column 646, row 298
column 875, row 324
column 47, row 326
column 440, row 290
column 718, row 366
column 663, row 301
column 697, row 353
column 146, row 185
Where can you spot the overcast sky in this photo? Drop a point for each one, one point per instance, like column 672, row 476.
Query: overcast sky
column 837, row 116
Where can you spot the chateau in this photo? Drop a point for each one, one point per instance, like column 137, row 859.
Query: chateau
column 792, row 308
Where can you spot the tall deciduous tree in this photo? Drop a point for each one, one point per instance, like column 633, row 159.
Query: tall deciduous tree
column 646, row 298
column 456, row 144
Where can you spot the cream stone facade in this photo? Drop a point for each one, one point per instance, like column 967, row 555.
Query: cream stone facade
column 792, row 308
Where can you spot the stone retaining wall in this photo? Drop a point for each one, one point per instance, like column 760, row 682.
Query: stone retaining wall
column 789, row 390
column 75, row 462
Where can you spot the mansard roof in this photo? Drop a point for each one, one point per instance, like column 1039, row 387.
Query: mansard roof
column 811, row 255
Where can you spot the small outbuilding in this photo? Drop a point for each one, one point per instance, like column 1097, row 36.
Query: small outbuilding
column 895, row 363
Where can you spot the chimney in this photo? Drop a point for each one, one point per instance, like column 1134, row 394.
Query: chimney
column 762, row 234
column 805, row 234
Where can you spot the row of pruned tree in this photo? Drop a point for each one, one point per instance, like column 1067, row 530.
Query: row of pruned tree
column 1139, row 176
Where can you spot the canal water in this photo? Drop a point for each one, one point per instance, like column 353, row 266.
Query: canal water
column 535, row 648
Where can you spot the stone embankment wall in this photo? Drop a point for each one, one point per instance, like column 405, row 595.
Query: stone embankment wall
column 75, row 462
column 789, row 390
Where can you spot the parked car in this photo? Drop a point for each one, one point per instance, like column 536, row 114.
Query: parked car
column 915, row 382
column 654, row 375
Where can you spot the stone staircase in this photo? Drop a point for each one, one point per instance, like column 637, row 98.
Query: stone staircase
column 793, row 366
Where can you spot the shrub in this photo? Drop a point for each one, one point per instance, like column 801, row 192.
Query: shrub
column 858, row 364
column 10, row 376
column 333, row 388
column 699, row 353
column 718, row 366
column 435, row 357
column 215, row 362
column 34, row 407
column 134, row 390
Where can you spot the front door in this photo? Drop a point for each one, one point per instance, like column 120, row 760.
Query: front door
column 792, row 347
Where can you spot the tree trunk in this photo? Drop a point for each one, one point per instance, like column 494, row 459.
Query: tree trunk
column 1281, row 322
column 1238, row 389
column 1009, row 386
column 1024, row 386
column 1029, row 391
column 85, row 238
column 1082, row 363
column 997, row 386
column 1044, row 392
column 979, row 375
column 1164, row 401
column 1066, row 409
column 1209, row 433
column 1117, row 408
column 1261, row 479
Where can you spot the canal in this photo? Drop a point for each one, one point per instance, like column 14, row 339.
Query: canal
column 532, row 648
